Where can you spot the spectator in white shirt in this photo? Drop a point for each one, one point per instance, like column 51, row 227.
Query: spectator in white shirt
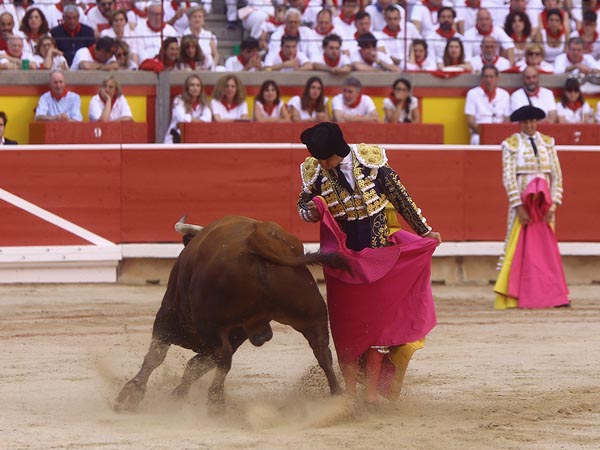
column 533, row 94
column 377, row 10
column 489, row 55
column 249, row 58
column 99, row 56
column 575, row 61
column 331, row 59
column 369, row 58
column 438, row 38
column 344, row 23
column 98, row 16
column 207, row 39
column 312, row 106
column 120, row 30
column 190, row 106
column 109, row 105
column 483, row 27
column 288, row 58
column 152, row 30
column 486, row 103
column 307, row 41
column 401, row 106
column 268, row 106
column 352, row 105
column 572, row 107
column 393, row 38
column 229, row 100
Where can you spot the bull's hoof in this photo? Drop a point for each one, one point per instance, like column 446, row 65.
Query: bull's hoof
column 181, row 391
column 130, row 397
column 215, row 408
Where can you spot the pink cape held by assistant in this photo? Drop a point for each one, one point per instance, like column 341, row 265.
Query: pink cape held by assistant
column 537, row 278
column 386, row 299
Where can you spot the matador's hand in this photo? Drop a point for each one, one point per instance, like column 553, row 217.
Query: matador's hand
column 313, row 212
column 522, row 214
column 434, row 235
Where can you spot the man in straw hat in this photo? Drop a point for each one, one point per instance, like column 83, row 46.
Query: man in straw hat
column 381, row 311
column 531, row 272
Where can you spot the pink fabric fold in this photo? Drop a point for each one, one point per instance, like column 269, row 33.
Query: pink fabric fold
column 386, row 300
column 537, row 278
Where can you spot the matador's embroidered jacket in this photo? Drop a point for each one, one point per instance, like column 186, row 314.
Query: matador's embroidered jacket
column 361, row 213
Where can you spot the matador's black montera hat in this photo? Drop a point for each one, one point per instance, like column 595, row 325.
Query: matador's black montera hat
column 325, row 140
column 527, row 112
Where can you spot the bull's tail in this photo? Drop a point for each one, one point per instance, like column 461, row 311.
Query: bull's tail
column 281, row 248
column 187, row 230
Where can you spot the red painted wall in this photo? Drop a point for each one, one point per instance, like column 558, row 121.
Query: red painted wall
column 135, row 194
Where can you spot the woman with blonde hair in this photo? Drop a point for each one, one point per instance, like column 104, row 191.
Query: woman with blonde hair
column 109, row 105
column 190, row 106
column 229, row 100
column 47, row 56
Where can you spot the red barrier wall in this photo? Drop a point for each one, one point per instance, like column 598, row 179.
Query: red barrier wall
column 135, row 194
column 563, row 133
column 240, row 132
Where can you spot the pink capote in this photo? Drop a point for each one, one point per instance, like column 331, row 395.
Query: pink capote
column 536, row 276
column 386, row 300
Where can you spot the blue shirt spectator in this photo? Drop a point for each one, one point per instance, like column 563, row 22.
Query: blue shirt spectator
column 58, row 103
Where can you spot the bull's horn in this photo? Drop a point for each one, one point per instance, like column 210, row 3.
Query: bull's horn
column 185, row 228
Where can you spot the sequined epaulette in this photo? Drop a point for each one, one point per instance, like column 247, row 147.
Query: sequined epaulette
column 371, row 156
column 512, row 142
column 548, row 140
column 309, row 171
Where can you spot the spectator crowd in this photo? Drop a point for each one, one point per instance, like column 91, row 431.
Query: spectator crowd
column 443, row 37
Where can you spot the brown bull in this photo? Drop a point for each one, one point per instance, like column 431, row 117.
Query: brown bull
column 229, row 282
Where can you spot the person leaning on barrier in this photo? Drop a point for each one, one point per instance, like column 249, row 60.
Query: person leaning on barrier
column 100, row 56
column 58, row 103
column 249, row 58
column 331, row 59
column 190, row 106
column 486, row 103
column 3, row 121
column 109, row 105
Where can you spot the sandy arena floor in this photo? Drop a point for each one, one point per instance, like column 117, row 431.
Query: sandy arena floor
column 486, row 380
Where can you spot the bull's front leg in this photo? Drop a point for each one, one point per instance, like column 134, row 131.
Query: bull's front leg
column 135, row 389
column 216, row 393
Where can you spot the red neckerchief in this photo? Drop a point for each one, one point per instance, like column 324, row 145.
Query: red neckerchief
column 89, row 8
column 242, row 60
column 192, row 64
column 287, row 33
column 112, row 101
column 349, row 21
column 534, row 94
column 283, row 57
column 274, row 21
column 430, row 7
column 102, row 26
column 169, row 64
column 228, row 106
column 389, row 32
column 517, row 39
column 156, row 30
column 14, row 56
column 483, row 33
column 420, row 63
column 394, row 100
column 326, row 33
column 574, row 62
column 555, row 35
column 454, row 62
column 195, row 105
column 493, row 62
column 74, row 32
column 59, row 7
column 357, row 102
column 60, row 97
column 140, row 13
column 475, row 4
column 544, row 16
column 490, row 95
column 446, row 34
column 269, row 108
column 574, row 106
column 369, row 62
column 32, row 37
column 92, row 49
column 331, row 62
